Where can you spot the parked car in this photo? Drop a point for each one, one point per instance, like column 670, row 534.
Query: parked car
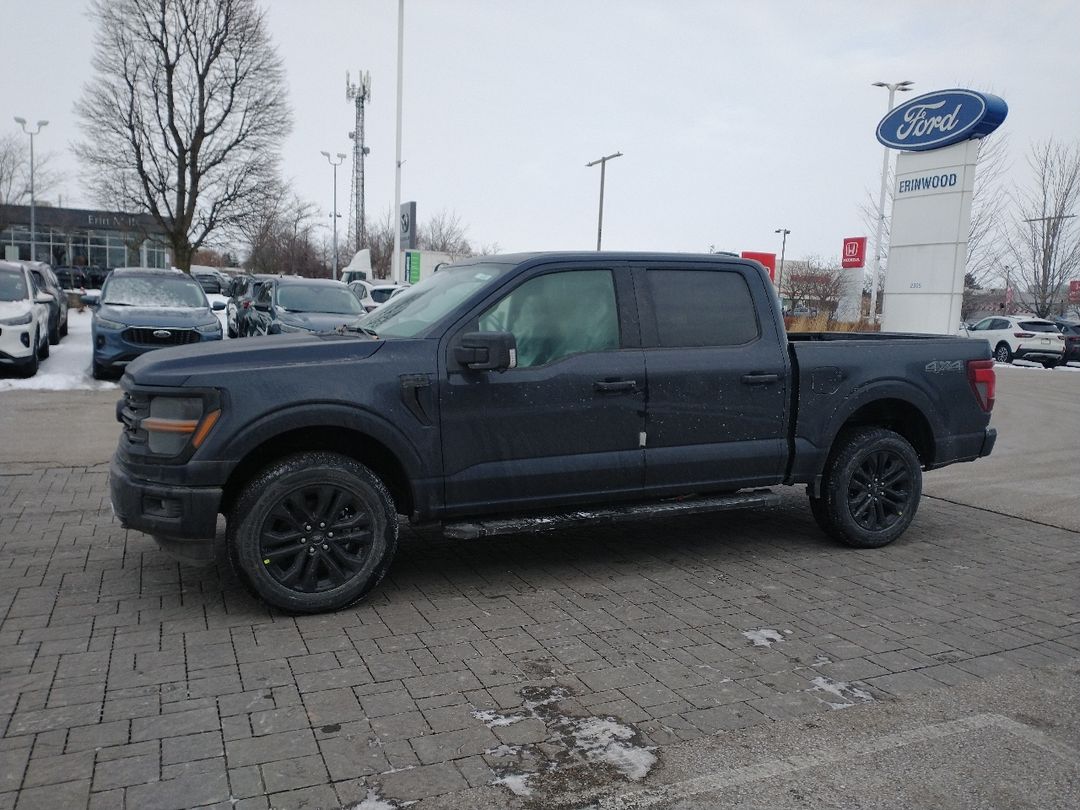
column 24, row 319
column 297, row 304
column 363, row 292
column 244, row 289
column 95, row 276
column 381, row 293
column 47, row 281
column 524, row 393
column 72, row 278
column 1019, row 337
column 141, row 309
column 212, row 281
column 1071, row 331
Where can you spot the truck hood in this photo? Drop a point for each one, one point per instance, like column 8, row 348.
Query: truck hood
column 175, row 366
column 318, row 321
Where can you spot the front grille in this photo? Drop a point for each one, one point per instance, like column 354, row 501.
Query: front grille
column 144, row 336
column 136, row 407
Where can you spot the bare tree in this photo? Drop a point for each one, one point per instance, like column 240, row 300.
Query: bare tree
column 281, row 236
column 816, row 282
column 444, row 233
column 1044, row 245
column 185, row 114
column 15, row 171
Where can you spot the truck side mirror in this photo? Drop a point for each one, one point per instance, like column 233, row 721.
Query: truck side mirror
column 487, row 351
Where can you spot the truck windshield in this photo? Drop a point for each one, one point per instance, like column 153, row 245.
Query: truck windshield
column 409, row 313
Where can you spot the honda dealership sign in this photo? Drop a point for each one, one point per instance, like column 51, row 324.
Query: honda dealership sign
column 931, row 214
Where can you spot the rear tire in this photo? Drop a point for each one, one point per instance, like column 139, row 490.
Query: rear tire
column 64, row 327
column 871, row 488
column 281, row 532
column 1050, row 363
column 1003, row 354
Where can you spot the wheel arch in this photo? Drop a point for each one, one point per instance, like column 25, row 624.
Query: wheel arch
column 334, row 430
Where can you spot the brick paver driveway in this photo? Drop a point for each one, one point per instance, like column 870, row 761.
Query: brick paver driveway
column 523, row 664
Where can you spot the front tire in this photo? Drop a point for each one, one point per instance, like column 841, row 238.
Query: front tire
column 313, row 532
column 44, row 349
column 54, row 333
column 1003, row 354
column 871, row 488
column 31, row 367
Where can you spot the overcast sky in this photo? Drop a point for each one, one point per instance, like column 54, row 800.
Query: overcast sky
column 735, row 118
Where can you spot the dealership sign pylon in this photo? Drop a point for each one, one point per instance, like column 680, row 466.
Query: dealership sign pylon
column 931, row 214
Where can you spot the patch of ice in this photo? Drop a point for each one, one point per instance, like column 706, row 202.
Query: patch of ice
column 841, row 689
column 493, row 719
column 373, row 801
column 763, row 637
column 602, row 739
column 517, row 783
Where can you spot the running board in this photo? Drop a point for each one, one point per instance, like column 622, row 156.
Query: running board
column 472, row 529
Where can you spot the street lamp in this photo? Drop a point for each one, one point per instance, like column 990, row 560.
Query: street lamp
column 903, row 87
column 780, row 276
column 603, row 166
column 33, row 222
column 340, row 160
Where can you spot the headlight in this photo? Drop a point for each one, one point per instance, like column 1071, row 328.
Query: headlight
column 17, row 321
column 175, row 421
column 288, row 327
column 209, row 328
column 105, row 323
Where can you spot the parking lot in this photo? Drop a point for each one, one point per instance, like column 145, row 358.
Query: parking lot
column 704, row 662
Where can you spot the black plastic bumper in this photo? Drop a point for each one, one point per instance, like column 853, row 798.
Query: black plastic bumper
column 163, row 510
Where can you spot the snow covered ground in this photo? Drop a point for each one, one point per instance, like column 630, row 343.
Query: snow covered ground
column 1027, row 365
column 68, row 366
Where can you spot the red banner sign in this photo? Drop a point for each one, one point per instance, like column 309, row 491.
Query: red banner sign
column 854, row 254
column 767, row 259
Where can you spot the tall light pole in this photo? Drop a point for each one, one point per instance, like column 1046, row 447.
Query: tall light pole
column 335, row 164
column 903, row 87
column 395, row 260
column 33, row 220
column 603, row 166
column 780, row 275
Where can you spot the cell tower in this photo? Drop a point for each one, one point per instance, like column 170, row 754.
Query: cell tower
column 359, row 94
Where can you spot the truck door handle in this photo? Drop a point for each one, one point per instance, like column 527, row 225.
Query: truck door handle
column 760, row 379
column 612, row 386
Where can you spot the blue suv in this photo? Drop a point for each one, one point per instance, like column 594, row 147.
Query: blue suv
column 141, row 309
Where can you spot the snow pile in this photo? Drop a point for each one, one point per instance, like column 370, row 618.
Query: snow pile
column 374, row 802
column 763, row 637
column 602, row 739
column 493, row 719
column 68, row 366
column 845, row 691
column 516, row 783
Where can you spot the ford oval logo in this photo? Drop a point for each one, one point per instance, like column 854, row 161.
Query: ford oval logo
column 940, row 119
column 162, row 333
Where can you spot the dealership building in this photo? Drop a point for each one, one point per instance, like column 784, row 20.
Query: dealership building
column 75, row 236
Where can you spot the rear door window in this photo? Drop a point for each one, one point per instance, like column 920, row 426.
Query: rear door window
column 1037, row 326
column 702, row 308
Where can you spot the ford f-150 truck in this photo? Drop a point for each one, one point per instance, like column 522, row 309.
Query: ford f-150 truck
column 527, row 392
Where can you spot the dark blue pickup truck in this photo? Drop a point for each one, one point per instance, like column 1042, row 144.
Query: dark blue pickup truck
column 529, row 392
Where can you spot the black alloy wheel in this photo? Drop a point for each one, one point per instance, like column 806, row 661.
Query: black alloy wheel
column 879, row 490
column 312, row 532
column 316, row 538
column 870, row 488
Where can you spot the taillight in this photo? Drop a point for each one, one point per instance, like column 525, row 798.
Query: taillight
column 983, row 382
column 1023, row 334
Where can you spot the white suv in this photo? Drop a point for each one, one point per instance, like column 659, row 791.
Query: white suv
column 1014, row 337
column 24, row 320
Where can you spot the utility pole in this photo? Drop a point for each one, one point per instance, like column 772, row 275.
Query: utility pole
column 33, row 218
column 359, row 94
column 780, row 275
column 395, row 260
column 340, row 159
column 903, row 87
column 603, row 166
